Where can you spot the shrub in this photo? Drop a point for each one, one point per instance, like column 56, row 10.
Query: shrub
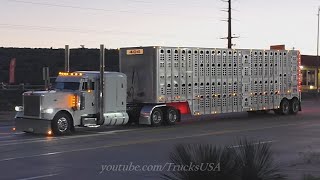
column 249, row 161
column 222, row 159
column 310, row 177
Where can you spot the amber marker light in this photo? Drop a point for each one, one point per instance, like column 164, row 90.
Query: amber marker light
column 49, row 132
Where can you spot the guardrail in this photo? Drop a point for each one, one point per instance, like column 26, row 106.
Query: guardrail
column 22, row 87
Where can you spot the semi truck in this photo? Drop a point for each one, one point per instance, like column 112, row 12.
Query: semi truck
column 157, row 85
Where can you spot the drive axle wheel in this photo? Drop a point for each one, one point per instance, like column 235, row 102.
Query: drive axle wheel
column 294, row 106
column 61, row 124
column 156, row 117
column 172, row 116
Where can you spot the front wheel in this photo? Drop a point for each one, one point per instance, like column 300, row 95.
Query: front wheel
column 61, row 124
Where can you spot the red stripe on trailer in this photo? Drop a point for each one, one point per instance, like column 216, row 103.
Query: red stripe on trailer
column 183, row 107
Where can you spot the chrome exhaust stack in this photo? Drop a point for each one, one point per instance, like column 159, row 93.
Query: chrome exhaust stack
column 67, row 59
column 101, row 119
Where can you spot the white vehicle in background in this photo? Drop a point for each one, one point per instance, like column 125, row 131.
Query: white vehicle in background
column 156, row 85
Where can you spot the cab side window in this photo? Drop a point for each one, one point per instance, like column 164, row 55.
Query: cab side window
column 84, row 86
column 92, row 85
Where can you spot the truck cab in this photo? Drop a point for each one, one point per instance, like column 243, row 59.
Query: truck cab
column 74, row 100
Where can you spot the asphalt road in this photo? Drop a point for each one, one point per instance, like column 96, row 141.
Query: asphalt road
column 295, row 141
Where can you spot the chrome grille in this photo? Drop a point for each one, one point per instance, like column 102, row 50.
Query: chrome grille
column 31, row 105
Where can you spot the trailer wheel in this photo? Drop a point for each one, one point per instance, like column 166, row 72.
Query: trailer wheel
column 284, row 107
column 156, row 117
column 171, row 116
column 61, row 124
column 294, row 106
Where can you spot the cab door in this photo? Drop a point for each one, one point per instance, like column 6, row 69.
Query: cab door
column 88, row 98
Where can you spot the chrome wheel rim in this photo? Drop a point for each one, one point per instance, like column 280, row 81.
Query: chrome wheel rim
column 62, row 124
column 156, row 117
column 172, row 116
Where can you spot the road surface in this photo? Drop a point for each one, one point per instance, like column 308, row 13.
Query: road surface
column 295, row 141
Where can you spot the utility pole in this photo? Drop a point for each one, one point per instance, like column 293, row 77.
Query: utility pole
column 317, row 64
column 229, row 26
column 230, row 37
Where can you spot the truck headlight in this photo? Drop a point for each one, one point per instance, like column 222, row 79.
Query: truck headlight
column 18, row 108
column 48, row 111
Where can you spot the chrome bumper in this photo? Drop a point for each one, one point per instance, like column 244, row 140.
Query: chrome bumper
column 38, row 126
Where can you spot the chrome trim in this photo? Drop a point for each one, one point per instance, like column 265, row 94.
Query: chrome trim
column 146, row 111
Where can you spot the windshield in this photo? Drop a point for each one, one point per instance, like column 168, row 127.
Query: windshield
column 67, row 85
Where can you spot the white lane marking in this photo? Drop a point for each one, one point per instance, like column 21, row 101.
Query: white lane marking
column 23, row 157
column 6, row 127
column 147, row 141
column 11, row 133
column 39, row 177
column 48, row 139
column 2, row 137
column 151, row 141
column 256, row 143
column 18, row 140
column 110, row 132
column 106, row 146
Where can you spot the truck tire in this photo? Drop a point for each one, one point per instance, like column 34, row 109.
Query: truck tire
column 156, row 117
column 171, row 116
column 61, row 124
column 294, row 106
column 284, row 107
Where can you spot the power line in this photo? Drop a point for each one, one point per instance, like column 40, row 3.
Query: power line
column 171, row 3
column 67, row 6
column 95, row 9
column 73, row 30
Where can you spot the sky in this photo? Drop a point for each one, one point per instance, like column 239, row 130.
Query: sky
column 181, row 23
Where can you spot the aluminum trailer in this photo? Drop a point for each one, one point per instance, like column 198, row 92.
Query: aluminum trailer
column 212, row 80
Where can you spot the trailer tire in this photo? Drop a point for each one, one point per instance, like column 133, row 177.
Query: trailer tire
column 156, row 117
column 284, row 107
column 61, row 124
column 172, row 116
column 294, row 106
